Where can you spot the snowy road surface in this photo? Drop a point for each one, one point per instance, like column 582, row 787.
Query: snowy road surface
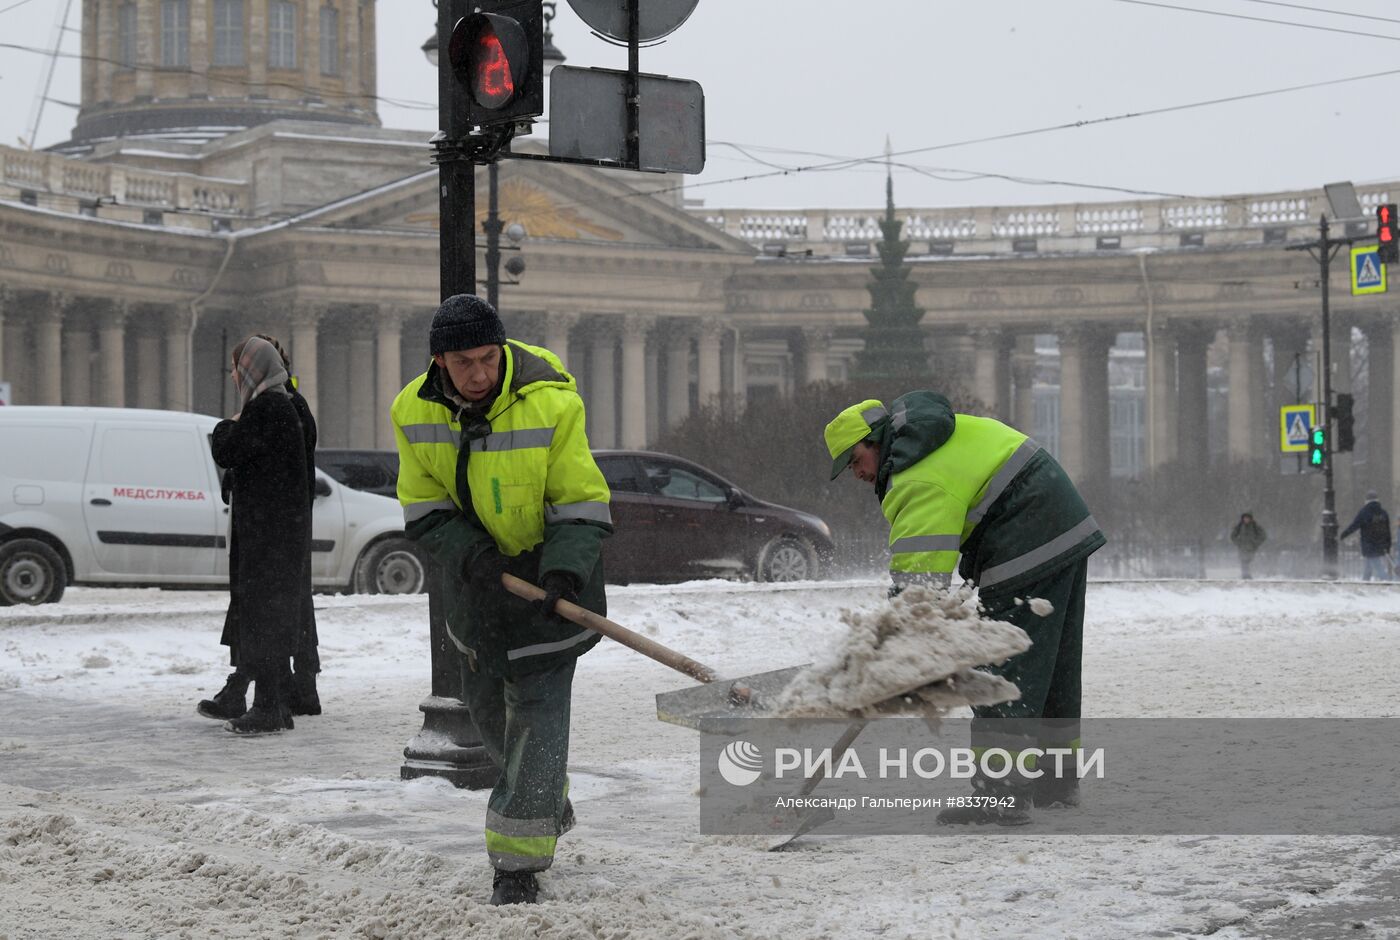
column 124, row 814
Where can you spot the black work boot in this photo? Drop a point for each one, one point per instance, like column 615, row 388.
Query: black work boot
column 569, row 820
column 229, row 702
column 514, row 887
column 302, row 698
column 1004, row 802
column 269, row 713
column 1053, row 792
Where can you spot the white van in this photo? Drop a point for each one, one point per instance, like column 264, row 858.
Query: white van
column 124, row 496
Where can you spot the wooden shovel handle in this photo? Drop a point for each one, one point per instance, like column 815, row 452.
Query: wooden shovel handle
column 613, row 631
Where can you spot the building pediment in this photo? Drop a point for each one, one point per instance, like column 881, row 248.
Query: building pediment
column 553, row 202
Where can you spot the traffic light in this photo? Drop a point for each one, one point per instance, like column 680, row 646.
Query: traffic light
column 497, row 55
column 1389, row 248
column 1317, row 453
column 1346, row 424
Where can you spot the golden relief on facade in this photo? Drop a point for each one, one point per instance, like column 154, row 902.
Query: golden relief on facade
column 537, row 210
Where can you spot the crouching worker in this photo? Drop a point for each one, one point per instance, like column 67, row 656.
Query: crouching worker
column 495, row 476
column 953, row 484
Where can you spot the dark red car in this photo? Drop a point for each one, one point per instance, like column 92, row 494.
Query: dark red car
column 673, row 520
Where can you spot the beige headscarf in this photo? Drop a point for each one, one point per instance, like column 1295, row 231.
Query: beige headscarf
column 260, row 370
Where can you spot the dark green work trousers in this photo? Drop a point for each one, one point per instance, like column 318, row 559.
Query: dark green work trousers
column 1048, row 674
column 524, row 724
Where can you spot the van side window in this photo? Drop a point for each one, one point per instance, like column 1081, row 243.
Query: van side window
column 152, row 457
column 46, row 454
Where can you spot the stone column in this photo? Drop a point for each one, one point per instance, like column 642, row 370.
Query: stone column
column 201, row 24
column 362, row 384
column 711, row 332
column 1023, row 373
column 111, row 365
column 1380, row 408
column 556, row 334
column 816, row 347
column 148, row 46
column 678, row 339
column 305, row 321
column 1094, row 353
column 177, row 359
column 77, row 358
column 739, row 376
column 1246, row 369
column 6, row 303
column 653, row 395
column 987, row 346
column 48, row 348
column 1072, row 430
column 387, row 380
column 1161, row 396
column 1192, row 398
column 634, row 380
column 148, row 363
column 256, row 51
column 309, row 44
column 602, row 416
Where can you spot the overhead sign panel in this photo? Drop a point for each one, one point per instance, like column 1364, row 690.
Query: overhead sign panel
column 588, row 119
column 1295, row 428
column 1367, row 272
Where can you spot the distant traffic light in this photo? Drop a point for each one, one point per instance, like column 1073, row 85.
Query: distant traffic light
column 497, row 54
column 1317, row 452
column 1389, row 248
column 1346, row 424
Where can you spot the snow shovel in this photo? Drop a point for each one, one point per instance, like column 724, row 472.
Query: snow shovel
column 723, row 695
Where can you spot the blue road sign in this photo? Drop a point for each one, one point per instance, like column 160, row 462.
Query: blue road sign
column 1295, row 427
column 1367, row 272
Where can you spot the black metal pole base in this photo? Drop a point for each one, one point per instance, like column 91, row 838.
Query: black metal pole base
column 448, row 746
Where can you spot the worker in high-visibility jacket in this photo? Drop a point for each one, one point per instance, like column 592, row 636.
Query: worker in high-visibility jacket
column 495, row 476
column 956, row 485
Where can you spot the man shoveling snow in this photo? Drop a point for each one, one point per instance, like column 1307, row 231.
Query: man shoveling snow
column 953, row 484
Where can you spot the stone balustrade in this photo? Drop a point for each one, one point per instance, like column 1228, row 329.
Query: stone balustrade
column 1147, row 223
column 63, row 176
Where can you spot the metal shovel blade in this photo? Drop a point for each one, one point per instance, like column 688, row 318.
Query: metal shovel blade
column 714, row 706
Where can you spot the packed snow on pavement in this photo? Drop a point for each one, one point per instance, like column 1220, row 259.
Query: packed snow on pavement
column 124, row 814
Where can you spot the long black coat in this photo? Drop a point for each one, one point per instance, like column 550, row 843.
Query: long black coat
column 307, row 657
column 265, row 452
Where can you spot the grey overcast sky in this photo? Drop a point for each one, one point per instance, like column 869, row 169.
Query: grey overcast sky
column 798, row 82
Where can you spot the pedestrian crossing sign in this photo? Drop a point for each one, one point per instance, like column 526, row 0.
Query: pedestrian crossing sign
column 1295, row 427
column 1367, row 272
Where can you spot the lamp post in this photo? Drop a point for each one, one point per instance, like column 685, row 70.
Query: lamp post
column 448, row 745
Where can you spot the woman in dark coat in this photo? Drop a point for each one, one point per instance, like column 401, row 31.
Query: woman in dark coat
column 264, row 450
column 230, row 702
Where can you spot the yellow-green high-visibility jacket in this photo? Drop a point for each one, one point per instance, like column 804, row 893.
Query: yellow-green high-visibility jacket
column 519, row 478
column 962, row 486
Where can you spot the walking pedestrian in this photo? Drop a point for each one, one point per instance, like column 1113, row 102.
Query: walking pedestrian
column 1373, row 522
column 1248, row 536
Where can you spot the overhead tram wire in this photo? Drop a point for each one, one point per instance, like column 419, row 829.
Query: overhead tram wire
column 1299, row 6
column 1072, row 125
column 13, row 6
column 1259, row 19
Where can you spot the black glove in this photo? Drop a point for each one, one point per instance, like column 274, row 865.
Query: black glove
column 485, row 569
column 558, row 586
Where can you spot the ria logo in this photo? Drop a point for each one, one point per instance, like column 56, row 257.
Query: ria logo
column 740, row 763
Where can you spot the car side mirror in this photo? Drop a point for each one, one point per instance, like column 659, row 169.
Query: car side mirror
column 734, row 498
column 322, row 487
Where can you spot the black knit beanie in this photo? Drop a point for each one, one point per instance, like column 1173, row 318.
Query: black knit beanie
column 464, row 321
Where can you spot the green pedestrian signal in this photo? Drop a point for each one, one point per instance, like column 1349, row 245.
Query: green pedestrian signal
column 1317, row 452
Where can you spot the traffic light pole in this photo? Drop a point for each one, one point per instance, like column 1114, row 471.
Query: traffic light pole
column 1323, row 250
column 448, row 745
column 492, row 227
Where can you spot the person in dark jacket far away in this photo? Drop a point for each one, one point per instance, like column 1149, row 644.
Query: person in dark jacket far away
column 231, row 701
column 956, row 485
column 1247, row 535
column 495, row 477
column 264, row 449
column 1373, row 523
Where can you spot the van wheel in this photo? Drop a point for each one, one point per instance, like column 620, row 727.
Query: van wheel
column 391, row 566
column 30, row 573
column 787, row 559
